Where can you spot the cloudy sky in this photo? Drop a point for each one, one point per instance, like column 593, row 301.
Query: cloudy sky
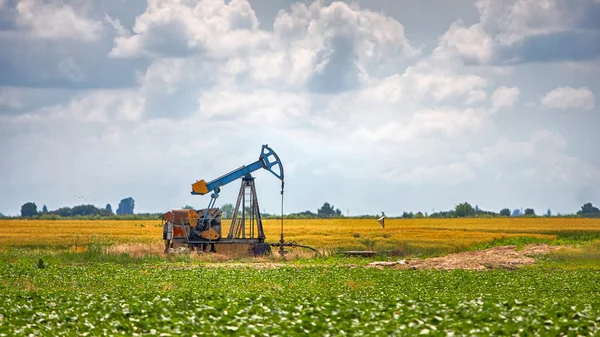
column 373, row 106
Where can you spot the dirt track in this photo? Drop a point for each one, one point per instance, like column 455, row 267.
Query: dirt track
column 506, row 257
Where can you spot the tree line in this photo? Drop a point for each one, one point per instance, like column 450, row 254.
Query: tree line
column 126, row 206
column 30, row 210
column 462, row 210
column 466, row 210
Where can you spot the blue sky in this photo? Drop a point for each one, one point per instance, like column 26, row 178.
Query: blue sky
column 372, row 105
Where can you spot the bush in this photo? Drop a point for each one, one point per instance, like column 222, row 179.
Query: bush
column 47, row 216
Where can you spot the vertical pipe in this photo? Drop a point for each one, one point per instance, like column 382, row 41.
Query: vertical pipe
column 259, row 227
column 244, row 211
column 251, row 210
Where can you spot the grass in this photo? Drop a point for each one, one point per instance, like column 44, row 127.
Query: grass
column 585, row 256
column 560, row 238
column 518, row 241
column 573, row 236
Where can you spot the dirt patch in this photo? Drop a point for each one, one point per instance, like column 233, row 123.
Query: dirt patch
column 504, row 257
column 137, row 249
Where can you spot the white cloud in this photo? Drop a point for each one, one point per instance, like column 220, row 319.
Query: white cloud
column 56, row 20
column 333, row 47
column 450, row 122
column 512, row 20
column 116, row 25
column 373, row 35
column 427, row 81
column 451, row 174
column 476, row 96
column 542, row 157
column 166, row 74
column 504, row 97
column 446, row 122
column 525, row 31
column 542, row 143
column 172, row 27
column 100, row 106
column 263, row 107
column 471, row 43
column 325, row 48
column 440, row 83
column 569, row 98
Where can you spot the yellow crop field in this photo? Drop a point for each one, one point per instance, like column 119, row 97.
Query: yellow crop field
column 445, row 234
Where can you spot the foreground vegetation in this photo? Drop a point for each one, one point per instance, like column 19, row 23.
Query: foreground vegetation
column 55, row 297
column 73, row 278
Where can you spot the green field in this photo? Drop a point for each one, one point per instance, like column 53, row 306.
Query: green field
column 50, row 290
column 123, row 296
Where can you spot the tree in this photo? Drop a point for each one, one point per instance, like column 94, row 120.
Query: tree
column 227, row 210
column 588, row 208
column 516, row 212
column 529, row 211
column 505, row 212
column 108, row 209
column 304, row 215
column 407, row 215
column 44, row 209
column 464, row 210
column 63, row 211
column 187, row 207
column 327, row 211
column 549, row 212
column 442, row 214
column 419, row 215
column 126, row 206
column 29, row 209
column 85, row 210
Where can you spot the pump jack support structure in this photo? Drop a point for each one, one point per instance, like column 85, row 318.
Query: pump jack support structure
column 249, row 225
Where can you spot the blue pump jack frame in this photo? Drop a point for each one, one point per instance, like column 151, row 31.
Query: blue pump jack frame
column 244, row 171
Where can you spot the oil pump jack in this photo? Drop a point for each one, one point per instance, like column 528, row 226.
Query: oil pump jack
column 202, row 228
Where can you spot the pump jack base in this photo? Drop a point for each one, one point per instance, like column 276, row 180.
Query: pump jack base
column 238, row 249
